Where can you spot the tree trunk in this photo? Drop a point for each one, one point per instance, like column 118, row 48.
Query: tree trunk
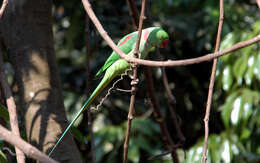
column 26, row 32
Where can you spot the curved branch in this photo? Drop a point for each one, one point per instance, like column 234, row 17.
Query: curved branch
column 11, row 108
column 166, row 137
column 168, row 63
column 27, row 148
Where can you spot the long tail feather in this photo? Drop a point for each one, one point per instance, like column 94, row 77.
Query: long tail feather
column 97, row 91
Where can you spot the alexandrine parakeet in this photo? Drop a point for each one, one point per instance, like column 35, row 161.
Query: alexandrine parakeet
column 114, row 65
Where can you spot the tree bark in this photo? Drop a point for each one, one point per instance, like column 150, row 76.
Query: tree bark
column 26, row 32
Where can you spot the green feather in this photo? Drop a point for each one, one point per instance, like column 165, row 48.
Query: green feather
column 125, row 47
column 115, row 66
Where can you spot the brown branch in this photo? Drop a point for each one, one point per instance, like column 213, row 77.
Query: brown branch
column 150, row 88
column 172, row 102
column 9, row 98
column 158, row 116
column 11, row 108
column 134, row 82
column 27, row 148
column 130, row 115
column 133, row 13
column 258, row 3
column 211, row 84
column 168, row 63
column 4, row 4
column 90, row 124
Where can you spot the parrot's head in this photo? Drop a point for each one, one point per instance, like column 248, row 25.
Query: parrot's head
column 158, row 37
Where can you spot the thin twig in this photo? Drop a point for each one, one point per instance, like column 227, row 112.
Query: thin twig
column 9, row 151
column 158, row 116
column 90, row 125
column 168, row 63
column 212, row 80
column 130, row 115
column 27, row 148
column 172, row 102
column 4, row 4
column 110, row 90
column 11, row 108
column 133, row 13
column 150, row 88
column 164, row 153
column 134, row 86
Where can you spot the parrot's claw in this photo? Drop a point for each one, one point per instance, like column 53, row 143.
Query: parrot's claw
column 135, row 82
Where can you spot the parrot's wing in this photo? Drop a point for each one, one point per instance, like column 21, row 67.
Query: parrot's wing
column 126, row 44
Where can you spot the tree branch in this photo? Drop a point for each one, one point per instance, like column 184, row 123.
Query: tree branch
column 4, row 4
column 168, row 63
column 150, row 89
column 158, row 116
column 172, row 102
column 27, row 148
column 133, row 13
column 11, row 109
column 258, row 3
column 212, row 80
column 134, row 82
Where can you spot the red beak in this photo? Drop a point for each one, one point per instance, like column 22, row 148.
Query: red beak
column 164, row 43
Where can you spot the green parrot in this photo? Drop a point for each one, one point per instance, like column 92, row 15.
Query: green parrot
column 114, row 65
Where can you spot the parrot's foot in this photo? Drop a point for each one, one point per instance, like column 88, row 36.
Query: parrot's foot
column 134, row 81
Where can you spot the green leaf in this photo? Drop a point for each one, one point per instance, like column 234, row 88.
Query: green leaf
column 257, row 117
column 145, row 126
column 4, row 113
column 245, row 134
column 240, row 67
column 226, row 153
column 250, row 71
column 257, row 67
column 3, row 158
column 228, row 41
column 77, row 134
column 236, row 112
column 220, row 149
column 256, row 27
column 227, row 108
column 133, row 153
column 143, row 143
column 194, row 155
column 213, row 145
column 227, row 78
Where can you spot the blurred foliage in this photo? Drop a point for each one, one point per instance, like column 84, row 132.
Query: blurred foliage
column 237, row 86
column 192, row 26
column 3, row 158
column 4, row 112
